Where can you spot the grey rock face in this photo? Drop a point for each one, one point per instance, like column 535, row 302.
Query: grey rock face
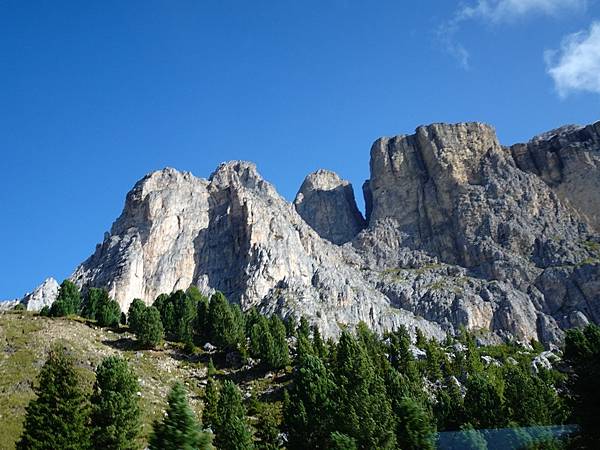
column 568, row 160
column 43, row 295
column 327, row 204
column 461, row 231
column 234, row 233
column 7, row 305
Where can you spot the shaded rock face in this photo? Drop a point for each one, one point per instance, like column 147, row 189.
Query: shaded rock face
column 568, row 160
column 459, row 231
column 327, row 204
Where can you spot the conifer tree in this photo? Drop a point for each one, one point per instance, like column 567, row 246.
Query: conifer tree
column 150, row 330
column 68, row 301
column 108, row 312
column 483, row 402
column 267, row 427
column 290, row 326
column 280, row 356
column 179, row 429
column 582, row 352
column 363, row 410
column 308, row 405
column 201, row 322
column 91, row 301
column 211, row 403
column 303, row 329
column 341, row 441
column 261, row 340
column 318, row 344
column 211, row 371
column 232, row 431
column 134, row 314
column 58, row 417
column 450, row 410
column 225, row 326
column 415, row 431
column 115, row 410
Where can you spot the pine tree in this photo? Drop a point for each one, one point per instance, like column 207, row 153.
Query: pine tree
column 449, row 408
column 318, row 344
column 309, row 405
column 582, row 352
column 267, row 427
column 201, row 322
column 150, row 330
column 232, row 431
column 211, row 403
column 363, row 409
column 179, row 429
column 290, row 326
column 303, row 329
column 415, row 431
column 134, row 314
column 115, row 410
column 91, row 301
column 211, row 371
column 483, row 402
column 340, row 441
column 225, row 326
column 108, row 312
column 261, row 340
column 58, row 417
column 400, row 355
column 68, row 301
column 280, row 356
column 529, row 400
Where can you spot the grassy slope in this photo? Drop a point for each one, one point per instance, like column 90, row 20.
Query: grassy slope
column 26, row 338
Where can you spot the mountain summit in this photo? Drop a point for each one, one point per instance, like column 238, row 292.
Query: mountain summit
column 459, row 231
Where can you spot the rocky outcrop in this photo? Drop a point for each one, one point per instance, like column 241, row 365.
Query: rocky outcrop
column 454, row 193
column 43, row 295
column 234, row 233
column 568, row 160
column 460, row 231
column 327, row 204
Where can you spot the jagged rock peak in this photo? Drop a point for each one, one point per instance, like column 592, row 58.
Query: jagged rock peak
column 326, row 202
column 461, row 232
column 43, row 295
column 557, row 132
column 236, row 173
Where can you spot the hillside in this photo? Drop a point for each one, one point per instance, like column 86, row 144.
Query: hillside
column 26, row 339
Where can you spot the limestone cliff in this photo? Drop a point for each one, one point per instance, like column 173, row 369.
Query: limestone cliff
column 327, row 204
column 459, row 230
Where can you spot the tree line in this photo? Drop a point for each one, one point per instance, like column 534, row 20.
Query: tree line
column 366, row 391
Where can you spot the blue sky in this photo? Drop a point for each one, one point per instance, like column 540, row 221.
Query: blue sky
column 93, row 95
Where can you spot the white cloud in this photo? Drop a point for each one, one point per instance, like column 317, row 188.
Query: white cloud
column 576, row 65
column 498, row 12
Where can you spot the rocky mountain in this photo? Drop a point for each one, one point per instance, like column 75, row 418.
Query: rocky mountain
column 43, row 295
column 459, row 230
